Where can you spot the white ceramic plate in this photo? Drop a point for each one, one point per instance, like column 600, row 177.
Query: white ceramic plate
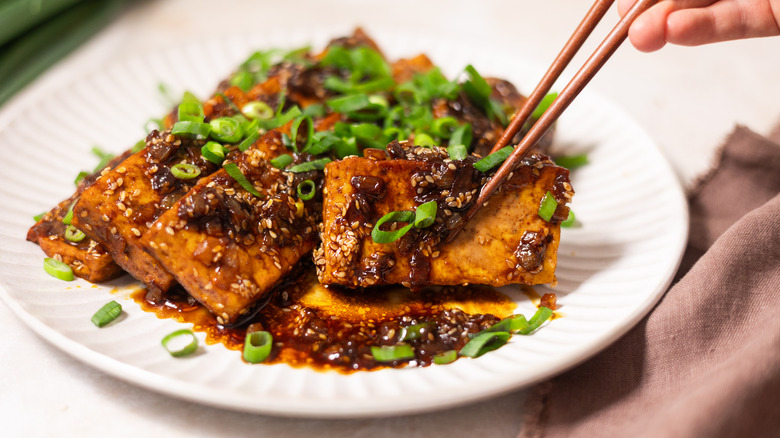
column 611, row 270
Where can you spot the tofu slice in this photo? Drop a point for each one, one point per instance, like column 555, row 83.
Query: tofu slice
column 505, row 242
column 88, row 259
column 228, row 247
column 123, row 203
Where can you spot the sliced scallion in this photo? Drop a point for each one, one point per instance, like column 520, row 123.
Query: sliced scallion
column 542, row 314
column 226, row 130
column 425, row 214
column 190, row 112
column 484, row 342
column 282, row 161
column 109, row 312
column 391, row 353
column 569, row 222
column 306, row 190
column 423, row 139
column 57, row 269
column 412, row 332
column 254, row 133
column 348, row 103
column 235, row 173
column 185, row 171
column 310, row 165
column 381, row 236
column 39, row 216
column 180, row 343
column 443, row 127
column 572, row 161
column 213, row 152
column 258, row 110
column 73, row 234
column 257, row 346
column 457, row 152
column 493, row 159
column 547, row 206
column 543, row 105
column 462, row 135
column 445, row 357
column 197, row 130
column 309, row 132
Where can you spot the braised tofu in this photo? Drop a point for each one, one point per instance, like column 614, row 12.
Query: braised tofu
column 88, row 259
column 228, row 247
column 505, row 242
column 124, row 202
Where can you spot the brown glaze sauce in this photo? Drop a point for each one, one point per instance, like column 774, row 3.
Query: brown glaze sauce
column 327, row 328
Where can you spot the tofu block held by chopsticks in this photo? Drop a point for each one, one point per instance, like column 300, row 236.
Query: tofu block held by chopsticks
column 505, row 242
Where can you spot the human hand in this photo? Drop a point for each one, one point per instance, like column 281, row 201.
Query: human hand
column 697, row 22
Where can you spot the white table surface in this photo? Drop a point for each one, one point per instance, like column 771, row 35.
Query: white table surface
column 687, row 99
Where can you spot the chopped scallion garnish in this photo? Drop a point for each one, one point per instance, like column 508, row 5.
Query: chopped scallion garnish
column 543, row 105
column 213, row 152
column 445, row 357
column 444, row 127
column 109, row 312
column 310, row 165
column 571, row 162
column 457, row 152
column 257, row 346
column 57, row 269
column 282, row 161
column 425, row 214
column 493, row 159
column 235, row 173
column 306, row 190
column 391, row 353
column 381, row 236
column 226, row 130
column 547, row 206
column 197, row 130
column 294, row 132
column 412, row 332
column 180, row 343
column 73, row 234
column 569, row 222
column 185, row 171
column 258, row 110
column 484, row 342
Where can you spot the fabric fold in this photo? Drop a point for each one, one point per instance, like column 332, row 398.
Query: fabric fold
column 705, row 361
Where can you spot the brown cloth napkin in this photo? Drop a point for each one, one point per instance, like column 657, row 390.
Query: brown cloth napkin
column 706, row 361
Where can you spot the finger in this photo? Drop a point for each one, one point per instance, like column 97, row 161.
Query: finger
column 648, row 32
column 721, row 21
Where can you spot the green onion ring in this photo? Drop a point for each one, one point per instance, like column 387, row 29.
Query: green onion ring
column 445, row 357
column 572, row 162
column 258, row 110
column 425, row 214
column 254, row 133
column 197, row 130
column 109, row 312
column 306, row 190
column 444, row 127
column 547, row 206
column 68, row 218
column 569, row 222
column 543, row 105
column 190, row 112
column 493, row 159
column 213, row 152
column 542, row 314
column 171, row 341
column 484, row 342
column 294, row 132
column 462, row 135
column 390, row 353
column 235, row 173
column 226, row 130
column 185, row 171
column 73, row 234
column 380, row 236
column 349, row 103
column 57, row 269
column 457, row 151
column 412, row 332
column 39, row 216
column 423, row 139
column 310, row 165
column 257, row 346
column 282, row 161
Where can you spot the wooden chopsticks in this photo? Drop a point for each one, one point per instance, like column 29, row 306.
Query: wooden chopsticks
column 589, row 69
